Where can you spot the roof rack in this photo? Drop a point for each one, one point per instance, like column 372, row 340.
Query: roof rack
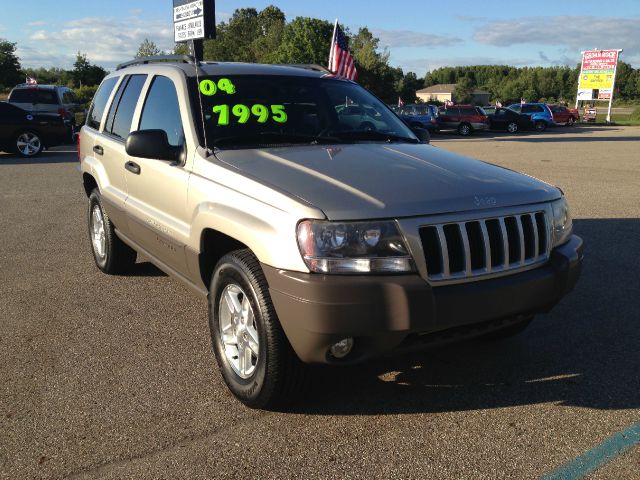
column 309, row 66
column 158, row 59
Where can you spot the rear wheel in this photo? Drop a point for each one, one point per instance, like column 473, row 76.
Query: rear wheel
column 570, row 122
column 541, row 125
column 255, row 358
column 464, row 129
column 512, row 127
column 28, row 144
column 111, row 254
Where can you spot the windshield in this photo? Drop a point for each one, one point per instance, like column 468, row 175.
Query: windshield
column 253, row 111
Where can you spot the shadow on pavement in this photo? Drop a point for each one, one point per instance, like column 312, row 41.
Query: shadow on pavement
column 65, row 155
column 584, row 353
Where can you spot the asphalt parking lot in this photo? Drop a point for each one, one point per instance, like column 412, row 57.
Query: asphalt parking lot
column 113, row 377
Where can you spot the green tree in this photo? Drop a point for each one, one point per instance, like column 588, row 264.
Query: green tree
column 305, row 40
column 148, row 49
column 84, row 73
column 9, row 65
column 464, row 90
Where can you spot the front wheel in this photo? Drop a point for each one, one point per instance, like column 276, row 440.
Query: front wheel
column 541, row 125
column 570, row 122
column 464, row 129
column 512, row 127
column 28, row 144
column 111, row 254
column 255, row 358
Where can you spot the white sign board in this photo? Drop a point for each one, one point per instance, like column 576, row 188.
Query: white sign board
column 188, row 21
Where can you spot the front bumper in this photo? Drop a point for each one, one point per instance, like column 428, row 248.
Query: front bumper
column 380, row 312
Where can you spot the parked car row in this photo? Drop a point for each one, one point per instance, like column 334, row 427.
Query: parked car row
column 466, row 119
column 36, row 117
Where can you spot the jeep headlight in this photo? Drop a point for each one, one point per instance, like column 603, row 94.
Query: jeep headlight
column 353, row 247
column 562, row 227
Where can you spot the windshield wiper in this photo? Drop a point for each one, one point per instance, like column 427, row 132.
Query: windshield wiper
column 274, row 137
column 373, row 135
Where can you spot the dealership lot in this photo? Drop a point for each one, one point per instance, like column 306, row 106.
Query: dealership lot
column 112, row 377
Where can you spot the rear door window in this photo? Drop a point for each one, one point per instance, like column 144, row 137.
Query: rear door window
column 47, row 97
column 126, row 106
column 94, row 117
column 468, row 111
column 161, row 111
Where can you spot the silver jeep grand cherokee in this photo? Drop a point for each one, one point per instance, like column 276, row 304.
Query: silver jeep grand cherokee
column 314, row 239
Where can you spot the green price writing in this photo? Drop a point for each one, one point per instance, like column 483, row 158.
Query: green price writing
column 209, row 87
column 243, row 113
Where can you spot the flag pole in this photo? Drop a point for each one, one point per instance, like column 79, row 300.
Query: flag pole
column 332, row 49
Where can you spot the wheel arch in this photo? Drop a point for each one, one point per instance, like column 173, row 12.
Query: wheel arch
column 89, row 183
column 213, row 246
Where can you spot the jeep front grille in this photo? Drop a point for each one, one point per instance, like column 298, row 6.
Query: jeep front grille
column 470, row 249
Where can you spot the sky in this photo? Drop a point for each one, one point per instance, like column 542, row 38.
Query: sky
column 420, row 35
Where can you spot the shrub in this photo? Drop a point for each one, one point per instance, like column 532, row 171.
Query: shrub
column 85, row 94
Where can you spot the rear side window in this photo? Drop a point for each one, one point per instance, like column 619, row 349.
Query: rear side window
column 100, row 102
column 162, row 112
column 68, row 97
column 126, row 105
column 47, row 97
column 23, row 95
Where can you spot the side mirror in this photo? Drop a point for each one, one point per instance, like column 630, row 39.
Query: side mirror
column 151, row 144
column 422, row 134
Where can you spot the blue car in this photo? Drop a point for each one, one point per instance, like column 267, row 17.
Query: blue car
column 420, row 116
column 540, row 114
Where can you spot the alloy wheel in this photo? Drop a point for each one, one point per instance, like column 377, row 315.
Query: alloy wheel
column 28, row 144
column 238, row 331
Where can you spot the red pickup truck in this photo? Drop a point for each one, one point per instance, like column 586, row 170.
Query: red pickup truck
column 563, row 115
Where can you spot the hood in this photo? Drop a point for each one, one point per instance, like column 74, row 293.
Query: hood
column 375, row 180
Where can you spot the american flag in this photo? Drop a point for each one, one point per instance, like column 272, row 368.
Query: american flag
column 31, row 81
column 341, row 62
column 400, row 102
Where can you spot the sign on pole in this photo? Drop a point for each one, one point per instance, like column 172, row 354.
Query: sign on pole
column 193, row 20
column 597, row 76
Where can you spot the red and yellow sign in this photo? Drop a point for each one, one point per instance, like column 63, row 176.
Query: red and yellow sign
column 598, row 69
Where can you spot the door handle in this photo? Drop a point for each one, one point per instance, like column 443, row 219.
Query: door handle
column 98, row 149
column 133, row 167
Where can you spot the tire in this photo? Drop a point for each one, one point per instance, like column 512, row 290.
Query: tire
column 28, row 144
column 512, row 127
column 242, row 319
column 465, row 129
column 570, row 122
column 540, row 125
column 509, row 331
column 111, row 254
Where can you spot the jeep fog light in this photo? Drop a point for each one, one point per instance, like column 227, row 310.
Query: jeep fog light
column 342, row 348
column 353, row 247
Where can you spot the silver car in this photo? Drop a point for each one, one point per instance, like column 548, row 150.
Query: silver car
column 312, row 240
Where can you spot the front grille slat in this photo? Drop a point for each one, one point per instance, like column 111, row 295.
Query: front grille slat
column 487, row 246
column 536, row 242
column 505, row 243
column 466, row 249
column 444, row 250
column 521, row 238
column 461, row 250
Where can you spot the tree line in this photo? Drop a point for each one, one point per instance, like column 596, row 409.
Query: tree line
column 549, row 84
column 266, row 36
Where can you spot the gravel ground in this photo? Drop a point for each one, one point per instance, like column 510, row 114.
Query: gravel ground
column 113, row 377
